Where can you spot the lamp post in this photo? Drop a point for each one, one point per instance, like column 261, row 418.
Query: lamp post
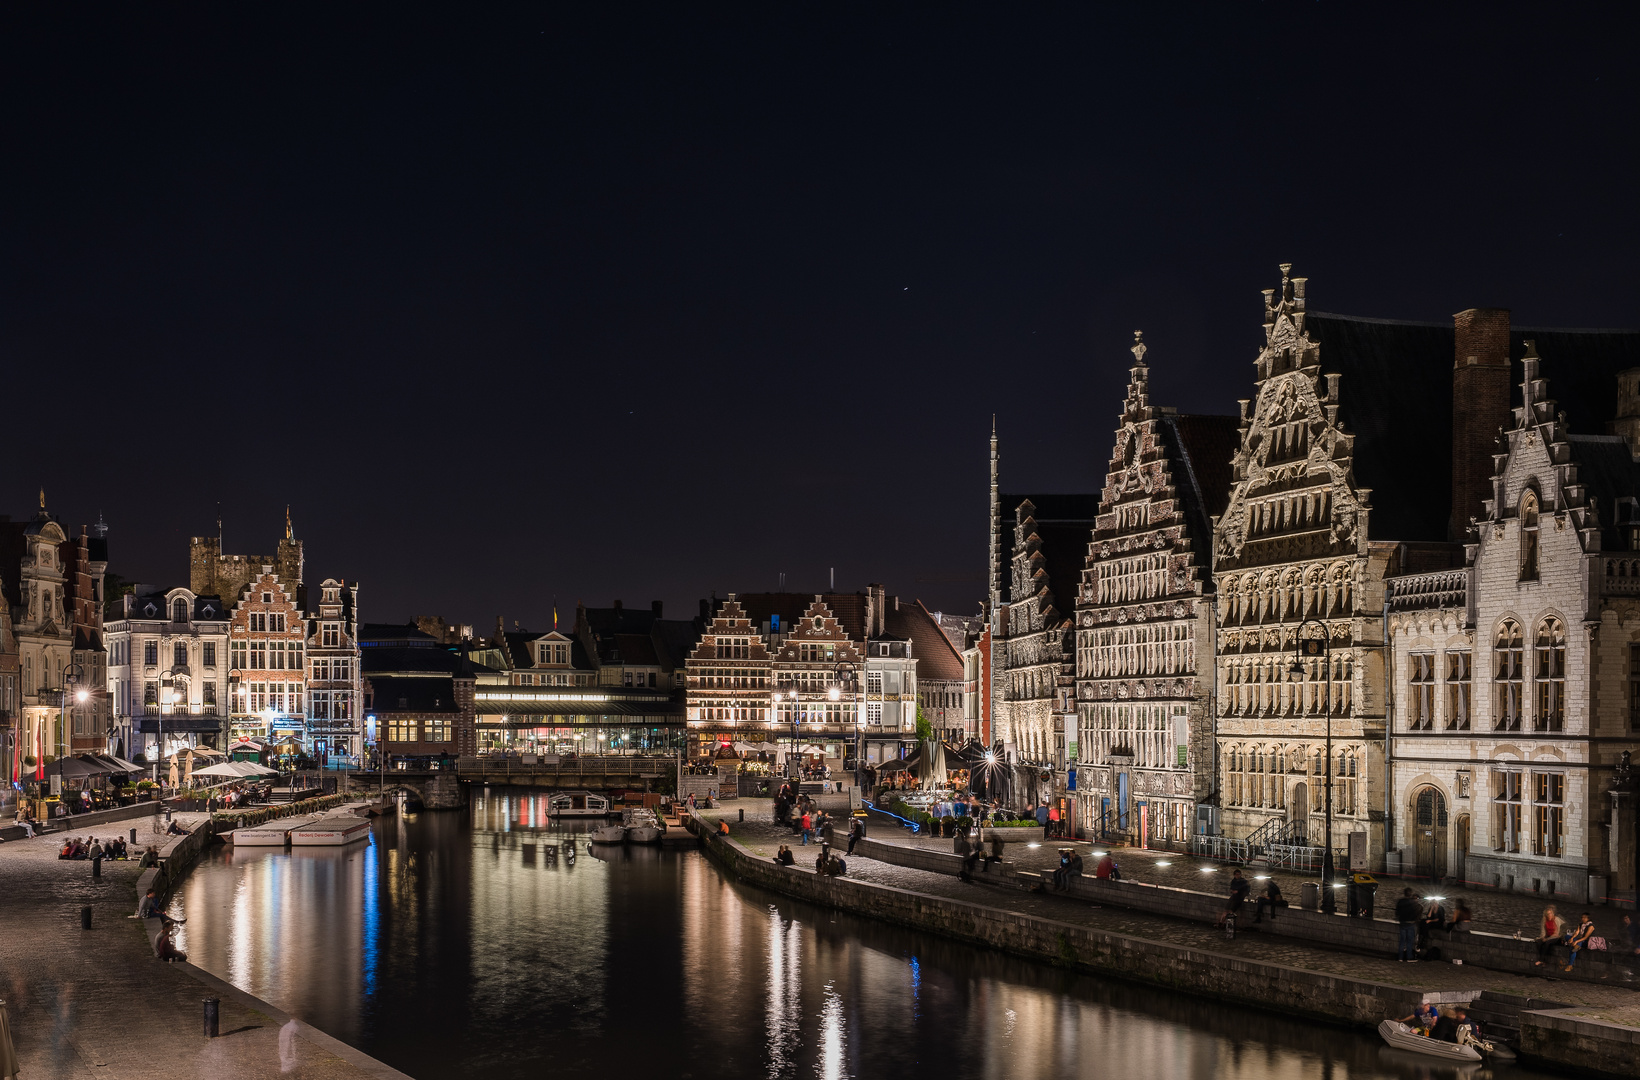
column 790, row 694
column 842, row 677
column 1311, row 648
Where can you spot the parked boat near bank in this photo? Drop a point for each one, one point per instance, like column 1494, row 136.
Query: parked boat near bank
column 578, row 804
column 332, row 830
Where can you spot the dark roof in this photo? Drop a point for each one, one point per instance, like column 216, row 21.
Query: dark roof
column 632, row 649
column 412, row 695
column 394, row 634
column 1608, row 469
column 674, row 639
column 1200, row 448
column 1050, row 508
column 1581, row 366
column 1064, row 557
column 389, row 660
column 620, row 620
column 1395, row 397
column 936, row 657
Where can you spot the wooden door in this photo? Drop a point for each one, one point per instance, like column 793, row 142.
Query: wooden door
column 1429, row 833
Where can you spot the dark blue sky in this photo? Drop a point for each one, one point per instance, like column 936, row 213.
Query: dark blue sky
column 646, row 302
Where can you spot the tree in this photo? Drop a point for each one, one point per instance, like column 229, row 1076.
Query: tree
column 925, row 730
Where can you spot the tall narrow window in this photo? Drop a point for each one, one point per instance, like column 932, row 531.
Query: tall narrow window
column 1549, row 672
column 1506, row 809
column 1421, row 681
column 1529, row 536
column 1548, row 813
column 1509, row 658
column 1634, row 687
column 1457, row 691
column 179, row 610
column 179, row 654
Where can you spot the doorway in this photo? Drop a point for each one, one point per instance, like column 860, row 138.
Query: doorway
column 1144, row 824
column 1300, row 805
column 1429, row 833
column 1461, row 856
column 1122, row 801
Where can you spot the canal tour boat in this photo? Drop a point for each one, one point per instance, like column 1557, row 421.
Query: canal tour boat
column 269, row 834
column 333, row 830
column 578, row 804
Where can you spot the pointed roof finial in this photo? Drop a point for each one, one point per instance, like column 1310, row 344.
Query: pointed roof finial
column 42, row 496
column 1139, row 349
column 287, row 521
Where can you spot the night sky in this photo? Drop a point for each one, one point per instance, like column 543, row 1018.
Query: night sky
column 509, row 306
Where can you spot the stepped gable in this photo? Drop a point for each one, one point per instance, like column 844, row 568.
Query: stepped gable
column 1585, row 365
column 1051, row 567
column 1054, row 514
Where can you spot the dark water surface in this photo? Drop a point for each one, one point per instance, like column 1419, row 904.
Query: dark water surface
column 438, row 948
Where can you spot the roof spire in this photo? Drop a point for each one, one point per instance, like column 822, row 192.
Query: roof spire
column 287, row 521
column 42, row 496
column 1139, row 349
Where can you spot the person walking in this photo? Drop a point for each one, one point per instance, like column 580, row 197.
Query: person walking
column 1553, row 927
column 808, row 827
column 1407, row 913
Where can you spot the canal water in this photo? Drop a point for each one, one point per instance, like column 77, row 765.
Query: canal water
column 446, row 947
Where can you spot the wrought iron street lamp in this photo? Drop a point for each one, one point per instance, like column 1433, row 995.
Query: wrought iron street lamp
column 1310, row 649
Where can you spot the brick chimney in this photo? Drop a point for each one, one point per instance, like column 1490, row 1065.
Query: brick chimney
column 1480, row 406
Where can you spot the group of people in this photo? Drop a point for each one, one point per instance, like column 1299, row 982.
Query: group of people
column 824, row 863
column 804, row 816
column 1575, row 938
column 1448, row 1024
column 92, row 848
column 1418, row 922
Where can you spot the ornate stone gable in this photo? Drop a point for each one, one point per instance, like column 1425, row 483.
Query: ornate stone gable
column 817, row 637
column 1293, row 496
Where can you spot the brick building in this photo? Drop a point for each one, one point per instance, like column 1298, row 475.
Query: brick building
column 418, row 694
column 1144, row 638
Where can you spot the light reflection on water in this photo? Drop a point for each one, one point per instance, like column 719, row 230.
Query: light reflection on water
column 452, row 945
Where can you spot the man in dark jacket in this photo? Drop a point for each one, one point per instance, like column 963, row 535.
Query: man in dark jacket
column 1407, row 913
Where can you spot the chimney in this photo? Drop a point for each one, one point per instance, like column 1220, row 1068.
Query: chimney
column 655, row 606
column 617, row 605
column 1627, row 423
column 705, row 610
column 1480, row 406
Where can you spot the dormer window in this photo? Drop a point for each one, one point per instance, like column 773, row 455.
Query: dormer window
column 179, row 610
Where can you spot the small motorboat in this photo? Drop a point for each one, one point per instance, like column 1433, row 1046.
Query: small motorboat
column 578, row 804
column 641, row 825
column 609, row 834
column 1402, row 1037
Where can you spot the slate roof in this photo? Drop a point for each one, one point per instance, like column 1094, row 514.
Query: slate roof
column 1064, row 556
column 1395, row 396
column 384, row 635
column 412, row 695
column 391, row 660
column 936, row 657
column 1200, row 448
column 1606, row 466
column 1051, row 508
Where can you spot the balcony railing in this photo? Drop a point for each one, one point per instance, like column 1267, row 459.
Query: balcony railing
column 1439, row 589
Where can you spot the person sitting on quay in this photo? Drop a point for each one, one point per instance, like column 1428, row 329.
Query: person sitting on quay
column 1271, row 899
column 1105, row 868
column 1553, row 927
column 1070, row 868
column 1239, row 887
column 784, row 856
column 1434, row 918
column 1578, row 939
column 150, row 857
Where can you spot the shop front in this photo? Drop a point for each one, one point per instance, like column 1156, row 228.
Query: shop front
column 334, row 743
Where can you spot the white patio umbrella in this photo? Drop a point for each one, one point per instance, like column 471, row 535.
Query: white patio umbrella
column 224, row 769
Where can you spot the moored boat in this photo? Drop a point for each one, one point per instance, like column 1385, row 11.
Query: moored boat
column 578, row 804
column 268, row 834
column 1402, row 1037
column 332, row 830
column 609, row 834
column 641, row 825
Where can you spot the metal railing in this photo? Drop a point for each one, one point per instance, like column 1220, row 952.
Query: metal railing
column 1221, row 847
column 579, row 766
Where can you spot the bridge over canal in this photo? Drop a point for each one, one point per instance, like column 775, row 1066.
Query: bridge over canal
column 441, row 789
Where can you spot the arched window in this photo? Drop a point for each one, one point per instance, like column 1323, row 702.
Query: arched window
column 1508, row 674
column 1529, row 536
column 1549, row 672
column 179, row 610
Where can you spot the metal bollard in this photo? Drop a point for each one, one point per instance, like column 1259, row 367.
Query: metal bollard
column 96, row 868
column 85, row 918
column 133, row 836
column 213, row 1010
column 743, row 813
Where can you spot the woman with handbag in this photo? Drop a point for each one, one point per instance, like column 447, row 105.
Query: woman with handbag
column 1580, row 937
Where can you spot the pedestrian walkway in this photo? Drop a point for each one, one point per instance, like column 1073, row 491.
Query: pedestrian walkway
column 96, row 1002
column 761, row 836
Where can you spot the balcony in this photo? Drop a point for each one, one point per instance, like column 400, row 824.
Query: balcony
column 1425, row 592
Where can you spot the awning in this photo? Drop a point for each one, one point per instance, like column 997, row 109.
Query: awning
column 118, row 765
column 72, row 768
column 180, row 725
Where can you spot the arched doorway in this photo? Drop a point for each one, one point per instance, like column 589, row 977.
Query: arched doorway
column 1299, row 804
column 1429, row 832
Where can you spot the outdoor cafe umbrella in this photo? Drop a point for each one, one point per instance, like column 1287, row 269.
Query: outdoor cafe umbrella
column 73, row 768
column 8, row 1053
column 224, row 768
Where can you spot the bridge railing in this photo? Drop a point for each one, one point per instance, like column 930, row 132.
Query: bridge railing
column 574, row 767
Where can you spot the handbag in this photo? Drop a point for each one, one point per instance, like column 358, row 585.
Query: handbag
column 1598, row 943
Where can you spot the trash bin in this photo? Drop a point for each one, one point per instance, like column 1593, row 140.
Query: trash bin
column 1310, row 896
column 1363, row 888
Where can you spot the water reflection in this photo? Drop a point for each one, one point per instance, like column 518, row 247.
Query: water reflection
column 471, row 945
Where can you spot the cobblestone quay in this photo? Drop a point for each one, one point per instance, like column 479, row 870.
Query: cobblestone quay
column 97, row 1003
